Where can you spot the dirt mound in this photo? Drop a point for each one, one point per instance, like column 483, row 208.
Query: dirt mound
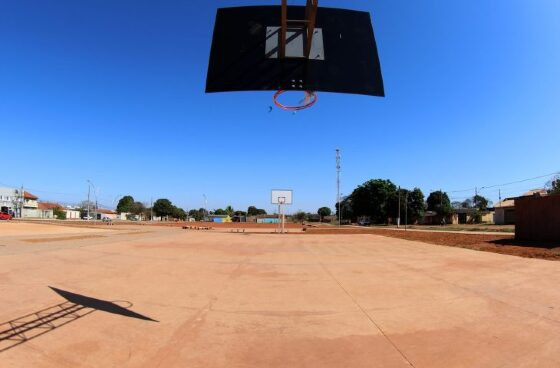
column 503, row 244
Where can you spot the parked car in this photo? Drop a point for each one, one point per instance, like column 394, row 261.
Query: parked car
column 87, row 218
column 5, row 216
column 364, row 221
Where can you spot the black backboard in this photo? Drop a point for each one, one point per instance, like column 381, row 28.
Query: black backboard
column 241, row 59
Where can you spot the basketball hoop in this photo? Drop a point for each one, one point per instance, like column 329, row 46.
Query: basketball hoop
column 309, row 100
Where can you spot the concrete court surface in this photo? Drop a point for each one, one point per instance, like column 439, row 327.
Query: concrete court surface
column 209, row 299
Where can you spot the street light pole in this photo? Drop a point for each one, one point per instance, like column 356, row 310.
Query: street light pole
column 338, row 186
column 88, row 191
column 405, row 210
column 95, row 194
column 399, row 215
column 205, row 206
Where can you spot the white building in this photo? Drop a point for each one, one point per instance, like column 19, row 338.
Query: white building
column 11, row 202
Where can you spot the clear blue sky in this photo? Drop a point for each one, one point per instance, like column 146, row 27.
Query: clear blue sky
column 113, row 91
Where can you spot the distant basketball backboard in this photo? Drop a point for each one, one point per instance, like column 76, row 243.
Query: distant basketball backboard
column 282, row 196
column 342, row 54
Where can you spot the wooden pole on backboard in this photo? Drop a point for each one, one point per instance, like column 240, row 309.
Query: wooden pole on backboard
column 283, row 29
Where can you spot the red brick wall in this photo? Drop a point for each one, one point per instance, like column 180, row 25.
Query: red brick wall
column 537, row 218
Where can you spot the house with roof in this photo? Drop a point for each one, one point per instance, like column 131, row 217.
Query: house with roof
column 8, row 200
column 504, row 213
column 11, row 202
column 102, row 213
column 47, row 211
column 30, row 206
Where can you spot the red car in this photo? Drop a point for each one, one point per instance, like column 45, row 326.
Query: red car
column 5, row 216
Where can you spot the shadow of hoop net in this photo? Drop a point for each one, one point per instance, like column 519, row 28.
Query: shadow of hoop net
column 28, row 327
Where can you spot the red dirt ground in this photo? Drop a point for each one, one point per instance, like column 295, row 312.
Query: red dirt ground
column 503, row 244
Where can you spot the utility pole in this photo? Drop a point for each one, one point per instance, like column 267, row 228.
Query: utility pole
column 500, row 195
column 88, row 190
column 405, row 210
column 95, row 194
column 21, row 202
column 399, row 216
column 441, row 205
column 151, row 209
column 338, row 186
column 475, row 195
column 205, row 207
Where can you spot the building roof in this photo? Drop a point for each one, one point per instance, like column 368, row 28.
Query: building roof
column 508, row 202
column 532, row 192
column 266, row 216
column 104, row 211
column 28, row 195
column 48, row 205
column 465, row 210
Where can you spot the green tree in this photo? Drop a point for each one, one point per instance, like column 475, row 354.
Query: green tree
column 252, row 211
column 300, row 216
column 229, row 210
column 374, row 199
column 323, row 212
column 198, row 215
column 125, row 204
column 553, row 186
column 480, row 202
column 439, row 202
column 220, row 211
column 163, row 207
column 137, row 208
column 59, row 213
column 179, row 213
column 346, row 209
column 416, row 205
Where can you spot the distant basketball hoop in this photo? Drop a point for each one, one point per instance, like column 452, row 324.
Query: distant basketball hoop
column 281, row 197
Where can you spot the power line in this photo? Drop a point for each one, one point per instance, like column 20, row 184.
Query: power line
column 504, row 184
column 520, row 181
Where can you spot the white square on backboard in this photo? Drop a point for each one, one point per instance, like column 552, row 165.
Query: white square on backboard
column 282, row 194
column 294, row 43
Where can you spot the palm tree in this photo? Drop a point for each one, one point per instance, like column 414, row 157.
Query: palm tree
column 229, row 210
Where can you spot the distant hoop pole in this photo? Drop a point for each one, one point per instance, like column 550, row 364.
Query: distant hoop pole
column 308, row 94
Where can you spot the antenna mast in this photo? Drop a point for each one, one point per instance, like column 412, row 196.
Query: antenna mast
column 338, row 185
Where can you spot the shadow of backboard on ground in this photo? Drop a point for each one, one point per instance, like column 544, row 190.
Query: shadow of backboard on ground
column 20, row 330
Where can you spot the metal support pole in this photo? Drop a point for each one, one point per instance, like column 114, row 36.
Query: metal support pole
column 399, row 216
column 283, row 220
column 88, row 191
column 21, row 204
column 475, row 195
column 279, row 220
column 338, row 186
column 406, row 211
